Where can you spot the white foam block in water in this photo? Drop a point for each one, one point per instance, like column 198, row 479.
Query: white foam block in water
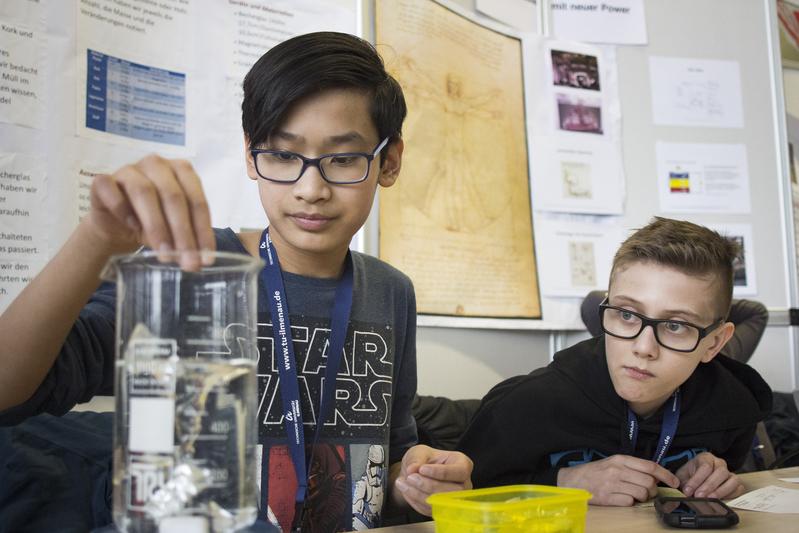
column 183, row 524
column 152, row 425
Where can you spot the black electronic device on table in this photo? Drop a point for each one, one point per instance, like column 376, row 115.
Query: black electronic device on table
column 695, row 513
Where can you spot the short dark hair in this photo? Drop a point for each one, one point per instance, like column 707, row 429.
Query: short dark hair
column 687, row 247
column 311, row 63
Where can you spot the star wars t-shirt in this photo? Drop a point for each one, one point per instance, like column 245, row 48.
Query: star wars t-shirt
column 371, row 425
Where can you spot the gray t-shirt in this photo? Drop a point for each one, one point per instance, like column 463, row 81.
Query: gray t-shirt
column 374, row 426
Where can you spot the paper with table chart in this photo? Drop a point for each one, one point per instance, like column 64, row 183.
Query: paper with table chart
column 771, row 499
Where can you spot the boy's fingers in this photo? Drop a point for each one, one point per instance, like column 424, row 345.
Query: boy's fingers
column 729, row 488
column 455, row 473
column 732, row 488
column 640, row 479
column 413, row 496
column 144, row 198
column 713, row 481
column 174, row 207
column 106, row 195
column 198, row 204
column 410, row 468
column 637, row 492
column 653, row 469
column 698, row 478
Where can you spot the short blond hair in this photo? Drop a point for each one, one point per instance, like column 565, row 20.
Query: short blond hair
column 684, row 246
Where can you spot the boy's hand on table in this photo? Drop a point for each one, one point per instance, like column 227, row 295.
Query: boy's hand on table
column 425, row 471
column 706, row 476
column 618, row 480
column 155, row 202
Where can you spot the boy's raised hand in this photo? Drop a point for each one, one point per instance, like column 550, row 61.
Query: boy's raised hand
column 425, row 471
column 707, row 476
column 155, row 202
column 618, row 480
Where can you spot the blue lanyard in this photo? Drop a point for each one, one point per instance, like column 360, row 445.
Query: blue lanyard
column 287, row 364
column 667, row 430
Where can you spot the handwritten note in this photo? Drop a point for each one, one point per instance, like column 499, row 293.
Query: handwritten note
column 771, row 499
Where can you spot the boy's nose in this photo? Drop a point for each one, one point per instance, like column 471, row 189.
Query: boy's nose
column 311, row 186
column 645, row 344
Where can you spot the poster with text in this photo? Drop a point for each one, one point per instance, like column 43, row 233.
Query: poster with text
column 599, row 21
column 23, row 222
column 133, row 89
column 703, row 178
column 22, row 96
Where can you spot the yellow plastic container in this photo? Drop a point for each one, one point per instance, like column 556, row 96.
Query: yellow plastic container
column 511, row 509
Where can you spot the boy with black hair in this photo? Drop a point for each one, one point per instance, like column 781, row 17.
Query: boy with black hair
column 322, row 128
column 648, row 402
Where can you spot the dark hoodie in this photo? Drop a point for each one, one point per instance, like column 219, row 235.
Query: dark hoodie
column 568, row 413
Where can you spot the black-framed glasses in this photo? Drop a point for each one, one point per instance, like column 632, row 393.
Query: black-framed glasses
column 675, row 335
column 283, row 166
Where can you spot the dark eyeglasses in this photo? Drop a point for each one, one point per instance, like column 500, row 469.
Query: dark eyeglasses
column 282, row 166
column 675, row 335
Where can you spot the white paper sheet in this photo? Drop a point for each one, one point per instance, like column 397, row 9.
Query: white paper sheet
column 23, row 223
column 790, row 479
column 577, row 177
column 744, row 282
column 696, row 92
column 28, row 12
column 700, row 178
column 519, row 14
column 575, row 167
column 575, row 252
column 21, row 74
column 258, row 25
column 132, row 89
column 771, row 499
column 599, row 21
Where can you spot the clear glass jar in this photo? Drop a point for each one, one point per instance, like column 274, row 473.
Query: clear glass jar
column 186, row 394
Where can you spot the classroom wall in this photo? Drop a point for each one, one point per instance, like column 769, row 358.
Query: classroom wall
column 466, row 363
column 476, row 359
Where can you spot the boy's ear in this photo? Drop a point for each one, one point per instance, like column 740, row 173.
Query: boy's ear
column 248, row 159
column 391, row 163
column 720, row 337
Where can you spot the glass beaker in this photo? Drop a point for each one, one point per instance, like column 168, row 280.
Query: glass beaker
column 186, row 393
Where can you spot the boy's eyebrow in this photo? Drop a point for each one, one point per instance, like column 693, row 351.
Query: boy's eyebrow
column 346, row 138
column 689, row 314
column 695, row 318
column 286, row 136
column 343, row 138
